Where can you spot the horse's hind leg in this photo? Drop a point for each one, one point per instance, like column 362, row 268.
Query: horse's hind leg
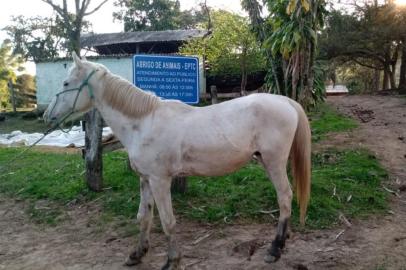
column 161, row 189
column 276, row 169
column 144, row 217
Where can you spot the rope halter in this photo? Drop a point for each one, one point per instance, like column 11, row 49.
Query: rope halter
column 79, row 90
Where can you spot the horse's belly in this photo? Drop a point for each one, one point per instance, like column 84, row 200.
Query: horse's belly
column 214, row 164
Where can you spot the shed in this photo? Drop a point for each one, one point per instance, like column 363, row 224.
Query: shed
column 145, row 42
column 336, row 90
column 115, row 51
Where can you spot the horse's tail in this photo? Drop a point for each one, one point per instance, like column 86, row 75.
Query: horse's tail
column 301, row 160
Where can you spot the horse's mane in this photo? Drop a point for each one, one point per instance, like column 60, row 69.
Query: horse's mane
column 121, row 95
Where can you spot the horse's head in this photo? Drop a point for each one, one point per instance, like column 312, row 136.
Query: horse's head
column 76, row 96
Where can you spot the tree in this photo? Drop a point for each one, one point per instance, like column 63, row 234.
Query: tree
column 402, row 75
column 231, row 48
column 372, row 36
column 39, row 38
column 73, row 24
column 400, row 19
column 289, row 38
column 9, row 63
column 25, row 85
column 36, row 38
column 260, row 29
column 155, row 15
column 294, row 37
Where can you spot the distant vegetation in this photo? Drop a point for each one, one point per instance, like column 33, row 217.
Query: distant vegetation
column 366, row 45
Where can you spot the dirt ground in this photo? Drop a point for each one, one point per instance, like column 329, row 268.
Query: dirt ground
column 376, row 243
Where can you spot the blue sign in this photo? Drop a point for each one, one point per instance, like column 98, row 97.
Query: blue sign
column 169, row 77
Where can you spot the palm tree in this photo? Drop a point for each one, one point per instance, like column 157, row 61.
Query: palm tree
column 290, row 39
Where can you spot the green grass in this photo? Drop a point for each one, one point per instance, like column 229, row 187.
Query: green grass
column 16, row 122
column 243, row 196
column 325, row 119
column 238, row 197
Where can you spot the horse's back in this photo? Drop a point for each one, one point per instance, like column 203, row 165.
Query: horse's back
column 263, row 109
column 231, row 118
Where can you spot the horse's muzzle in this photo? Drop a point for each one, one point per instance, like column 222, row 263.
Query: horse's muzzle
column 47, row 118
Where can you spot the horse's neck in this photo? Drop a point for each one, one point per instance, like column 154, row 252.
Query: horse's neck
column 125, row 127
column 123, row 96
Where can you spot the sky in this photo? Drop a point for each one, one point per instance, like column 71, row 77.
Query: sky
column 102, row 20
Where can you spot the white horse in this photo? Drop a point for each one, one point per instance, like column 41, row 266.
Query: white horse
column 166, row 138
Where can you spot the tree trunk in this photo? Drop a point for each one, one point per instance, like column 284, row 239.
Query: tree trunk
column 75, row 41
column 213, row 93
column 93, row 147
column 377, row 75
column 306, row 95
column 402, row 79
column 13, row 96
column 310, row 78
column 244, row 83
column 392, row 79
column 386, row 68
column 274, row 74
column 385, row 83
column 393, row 67
column 288, row 90
column 244, row 72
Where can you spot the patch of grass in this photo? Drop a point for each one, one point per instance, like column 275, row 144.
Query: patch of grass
column 347, row 182
column 47, row 215
column 17, row 122
column 239, row 197
column 325, row 119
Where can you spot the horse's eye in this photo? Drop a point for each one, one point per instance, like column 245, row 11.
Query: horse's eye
column 65, row 84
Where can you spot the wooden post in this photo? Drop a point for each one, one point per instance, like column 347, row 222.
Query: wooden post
column 213, row 93
column 179, row 184
column 13, row 96
column 93, row 150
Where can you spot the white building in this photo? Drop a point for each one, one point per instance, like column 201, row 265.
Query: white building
column 116, row 52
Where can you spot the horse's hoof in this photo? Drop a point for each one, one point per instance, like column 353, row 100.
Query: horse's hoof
column 273, row 255
column 136, row 256
column 270, row 258
column 172, row 264
column 132, row 261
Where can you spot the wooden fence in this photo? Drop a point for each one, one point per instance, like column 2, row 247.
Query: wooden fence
column 17, row 94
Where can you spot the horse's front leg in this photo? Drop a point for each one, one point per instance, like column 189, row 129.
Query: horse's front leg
column 161, row 189
column 144, row 217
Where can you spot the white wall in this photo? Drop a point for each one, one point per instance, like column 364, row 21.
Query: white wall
column 50, row 75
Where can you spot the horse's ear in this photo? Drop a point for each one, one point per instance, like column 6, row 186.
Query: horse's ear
column 76, row 59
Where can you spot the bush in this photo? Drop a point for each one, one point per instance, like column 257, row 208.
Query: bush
column 30, row 115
